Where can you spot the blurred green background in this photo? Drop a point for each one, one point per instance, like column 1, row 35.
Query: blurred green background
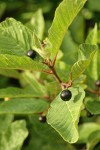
column 24, row 11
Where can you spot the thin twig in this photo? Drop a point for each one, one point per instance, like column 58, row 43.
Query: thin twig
column 52, row 71
column 55, row 74
column 93, row 92
column 54, row 60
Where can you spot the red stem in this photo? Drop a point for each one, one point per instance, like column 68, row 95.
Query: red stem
column 55, row 74
column 52, row 71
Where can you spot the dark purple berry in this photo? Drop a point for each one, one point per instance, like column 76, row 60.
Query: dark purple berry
column 31, row 53
column 97, row 83
column 66, row 95
column 89, row 114
column 42, row 119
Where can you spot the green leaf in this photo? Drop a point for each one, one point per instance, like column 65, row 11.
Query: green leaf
column 23, row 106
column 44, row 51
column 86, row 54
column 93, row 107
column 2, row 8
column 93, row 5
column 20, row 63
column 92, row 38
column 85, row 131
column 63, row 116
column 61, row 68
column 14, row 136
column 5, row 121
column 47, row 135
column 34, row 83
column 56, row 147
column 77, row 28
column 43, row 136
column 93, row 139
column 36, row 23
column 10, row 73
column 69, row 48
column 44, row 131
column 86, row 51
column 14, row 92
column 93, row 68
column 64, row 15
column 54, row 85
column 15, row 38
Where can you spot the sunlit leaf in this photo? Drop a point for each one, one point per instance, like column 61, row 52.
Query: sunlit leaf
column 63, row 116
column 92, row 38
column 64, row 15
column 86, row 54
column 20, row 63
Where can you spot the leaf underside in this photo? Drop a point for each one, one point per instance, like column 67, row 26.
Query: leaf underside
column 64, row 15
column 63, row 116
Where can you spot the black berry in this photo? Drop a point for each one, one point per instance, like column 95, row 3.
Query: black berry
column 31, row 53
column 66, row 95
column 97, row 83
column 89, row 114
column 42, row 119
